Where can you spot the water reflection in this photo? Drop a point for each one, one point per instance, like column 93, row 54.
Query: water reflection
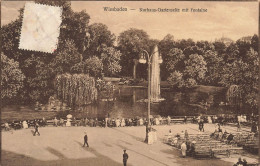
column 127, row 104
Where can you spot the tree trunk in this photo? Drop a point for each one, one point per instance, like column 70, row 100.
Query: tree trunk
column 134, row 71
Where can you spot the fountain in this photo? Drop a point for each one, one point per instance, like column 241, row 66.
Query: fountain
column 155, row 76
column 154, row 64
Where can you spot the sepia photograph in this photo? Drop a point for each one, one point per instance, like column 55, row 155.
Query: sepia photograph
column 129, row 83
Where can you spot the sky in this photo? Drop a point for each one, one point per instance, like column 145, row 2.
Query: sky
column 229, row 19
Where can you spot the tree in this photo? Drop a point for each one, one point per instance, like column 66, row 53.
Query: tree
column 174, row 60
column 195, row 68
column 66, row 58
column 231, row 53
column 110, row 58
column 255, row 42
column 11, row 78
column 94, row 66
column 100, row 37
column 220, row 47
column 193, row 50
column 165, row 46
column 182, row 44
column 176, row 79
column 131, row 43
column 40, row 68
column 214, row 67
column 205, row 45
column 38, row 82
column 76, row 89
column 190, row 83
column 243, row 47
column 244, row 75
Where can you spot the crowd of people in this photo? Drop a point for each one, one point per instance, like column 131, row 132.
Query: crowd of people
column 122, row 122
column 182, row 142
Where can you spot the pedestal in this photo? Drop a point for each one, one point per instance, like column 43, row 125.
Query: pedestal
column 150, row 138
column 68, row 123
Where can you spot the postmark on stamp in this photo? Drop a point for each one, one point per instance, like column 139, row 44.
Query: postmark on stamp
column 40, row 28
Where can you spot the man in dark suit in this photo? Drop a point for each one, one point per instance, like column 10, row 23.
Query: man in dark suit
column 86, row 140
column 36, row 129
column 125, row 157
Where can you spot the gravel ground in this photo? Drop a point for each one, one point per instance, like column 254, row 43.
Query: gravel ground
column 63, row 146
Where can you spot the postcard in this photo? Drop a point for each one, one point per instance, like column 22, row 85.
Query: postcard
column 107, row 83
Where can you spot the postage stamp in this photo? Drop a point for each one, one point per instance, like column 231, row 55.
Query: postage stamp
column 40, row 28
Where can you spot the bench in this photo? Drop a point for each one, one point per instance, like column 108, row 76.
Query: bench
column 202, row 151
column 50, row 123
column 220, row 151
column 179, row 120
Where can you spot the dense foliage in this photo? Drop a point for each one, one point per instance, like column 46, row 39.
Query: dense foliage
column 11, row 78
column 82, row 48
column 76, row 89
column 85, row 49
column 187, row 63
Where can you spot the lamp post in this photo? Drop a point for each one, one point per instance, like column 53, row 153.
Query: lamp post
column 145, row 55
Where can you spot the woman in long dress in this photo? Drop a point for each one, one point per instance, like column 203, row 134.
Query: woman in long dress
column 183, row 149
column 123, row 123
column 117, row 122
column 25, row 125
column 141, row 122
column 209, row 120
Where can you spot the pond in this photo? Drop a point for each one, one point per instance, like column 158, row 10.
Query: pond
column 128, row 103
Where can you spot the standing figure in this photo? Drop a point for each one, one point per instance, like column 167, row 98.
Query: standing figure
column 86, row 121
column 61, row 122
column 183, row 149
column 25, row 125
column 123, row 123
column 186, row 135
column 36, row 127
column 125, row 158
column 201, row 126
column 185, row 119
column 96, row 122
column 160, row 120
column 254, row 127
column 141, row 122
column 7, row 127
column 202, row 122
column 157, row 122
column 168, row 120
column 103, row 123
column 130, row 122
column 192, row 148
column 55, row 122
column 209, row 119
column 117, row 122
column 85, row 140
column 43, row 122
column 169, row 137
column 238, row 126
column 106, row 119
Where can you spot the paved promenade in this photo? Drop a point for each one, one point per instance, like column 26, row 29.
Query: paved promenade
column 62, row 146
